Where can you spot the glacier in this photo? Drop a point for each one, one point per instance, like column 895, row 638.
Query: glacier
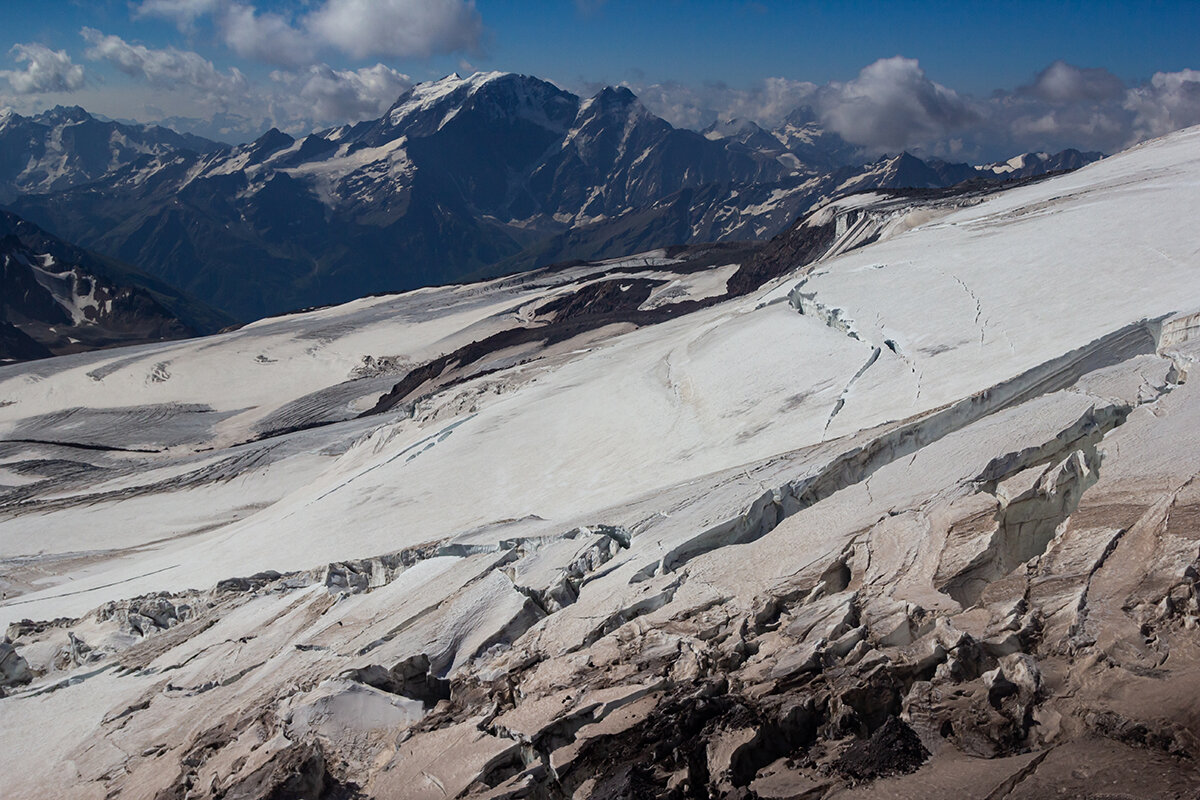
column 914, row 518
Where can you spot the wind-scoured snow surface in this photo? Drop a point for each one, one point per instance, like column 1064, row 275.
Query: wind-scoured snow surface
column 914, row 520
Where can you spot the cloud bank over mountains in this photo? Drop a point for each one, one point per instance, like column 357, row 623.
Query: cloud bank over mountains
column 891, row 105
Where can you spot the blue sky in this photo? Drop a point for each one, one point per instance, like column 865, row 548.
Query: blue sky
column 974, row 47
column 304, row 63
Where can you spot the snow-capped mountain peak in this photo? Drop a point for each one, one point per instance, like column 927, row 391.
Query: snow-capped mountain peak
column 427, row 107
column 734, row 127
column 63, row 115
column 450, row 90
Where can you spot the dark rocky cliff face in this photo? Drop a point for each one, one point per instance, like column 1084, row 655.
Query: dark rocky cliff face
column 56, row 298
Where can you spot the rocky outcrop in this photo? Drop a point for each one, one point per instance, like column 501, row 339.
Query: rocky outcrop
column 14, row 670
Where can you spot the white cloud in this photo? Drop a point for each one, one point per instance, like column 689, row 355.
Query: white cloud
column 358, row 28
column 1169, row 102
column 329, row 96
column 1064, row 83
column 1088, row 109
column 893, row 106
column 168, row 68
column 183, row 13
column 696, row 107
column 45, row 70
column 397, row 28
column 1039, row 126
column 265, row 37
column 297, row 101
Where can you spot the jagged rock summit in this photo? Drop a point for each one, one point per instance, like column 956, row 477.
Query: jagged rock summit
column 901, row 505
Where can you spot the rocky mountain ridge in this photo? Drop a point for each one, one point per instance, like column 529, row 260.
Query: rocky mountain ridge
column 65, row 147
column 56, row 298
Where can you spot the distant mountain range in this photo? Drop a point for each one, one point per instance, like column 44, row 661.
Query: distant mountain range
column 66, row 147
column 462, row 177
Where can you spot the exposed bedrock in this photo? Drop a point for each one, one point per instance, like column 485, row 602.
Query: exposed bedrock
column 14, row 670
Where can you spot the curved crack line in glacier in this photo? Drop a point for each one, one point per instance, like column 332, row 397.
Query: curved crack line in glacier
column 841, row 401
column 424, row 444
column 975, row 298
column 89, row 589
